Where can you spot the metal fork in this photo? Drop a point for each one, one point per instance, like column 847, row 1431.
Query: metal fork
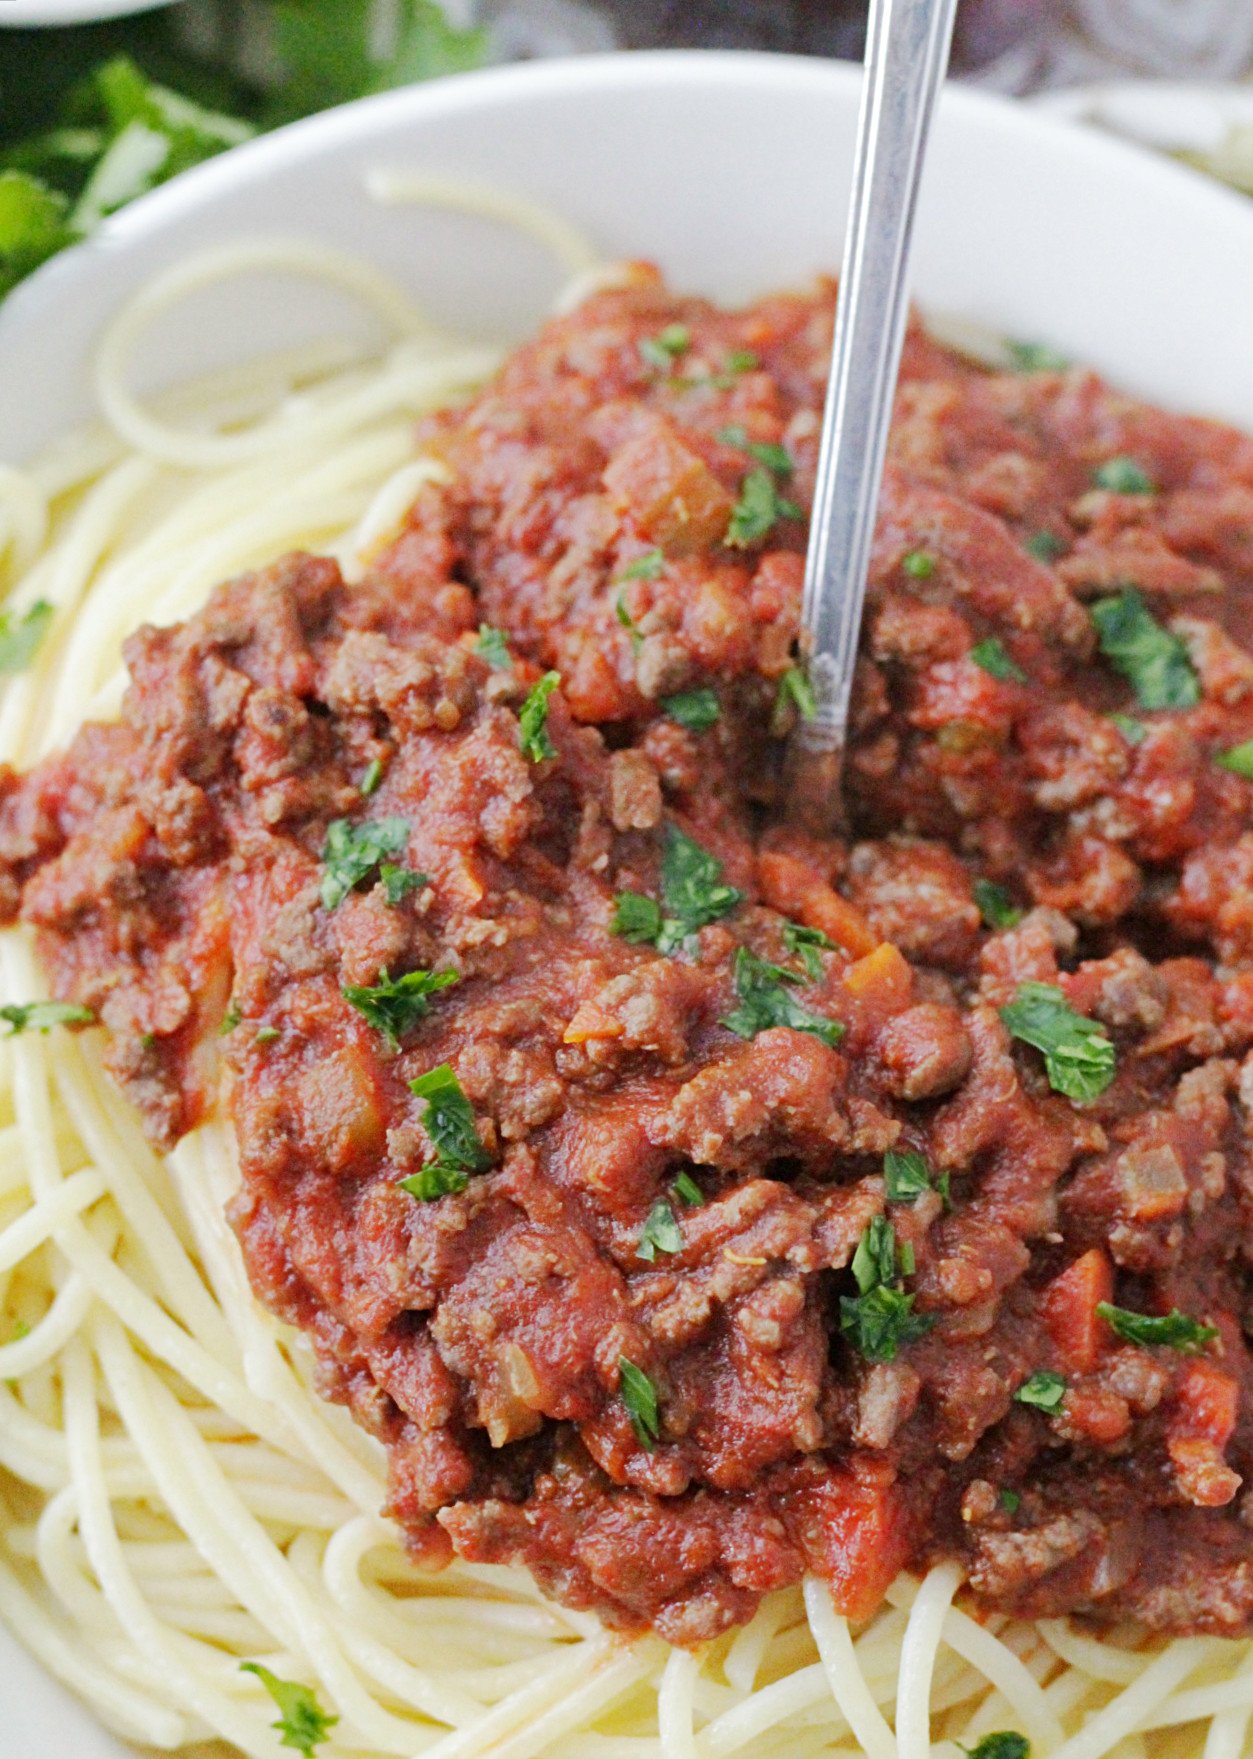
column 907, row 51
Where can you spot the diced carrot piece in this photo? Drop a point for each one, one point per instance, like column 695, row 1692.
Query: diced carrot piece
column 1068, row 1309
column 883, row 976
column 592, row 1022
column 792, row 887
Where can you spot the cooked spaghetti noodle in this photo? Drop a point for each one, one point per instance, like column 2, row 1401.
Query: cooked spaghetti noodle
column 176, row 1499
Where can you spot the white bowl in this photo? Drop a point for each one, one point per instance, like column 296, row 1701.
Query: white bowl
column 37, row 12
column 730, row 170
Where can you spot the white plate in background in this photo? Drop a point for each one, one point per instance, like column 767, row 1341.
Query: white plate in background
column 732, row 171
column 41, row 12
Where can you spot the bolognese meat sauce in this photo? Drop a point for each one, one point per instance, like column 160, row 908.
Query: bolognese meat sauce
column 684, row 1202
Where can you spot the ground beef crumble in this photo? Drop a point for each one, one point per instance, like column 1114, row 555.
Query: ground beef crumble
column 172, row 867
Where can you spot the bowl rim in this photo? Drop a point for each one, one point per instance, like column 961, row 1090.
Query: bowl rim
column 486, row 88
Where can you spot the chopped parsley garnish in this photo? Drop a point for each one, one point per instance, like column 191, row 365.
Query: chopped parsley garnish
column 438, row 1178
column 1045, row 546
column 1133, row 731
column 688, row 1191
column 1005, row 1744
column 1177, row 1331
column 662, row 1232
column 1035, row 357
column 1123, row 476
column 398, row 882
column 805, row 944
column 352, row 852
column 372, row 777
column 628, row 622
column 41, row 1016
column 1045, row 1390
column 996, row 907
column 662, row 350
column 533, row 736
column 636, row 919
column 230, row 1020
column 1153, row 660
column 267, row 1034
column 395, row 1004
column 692, row 891
column 1009, row 1500
column 758, row 509
column 919, row 565
column 795, row 688
column 742, row 360
column 1238, row 759
column 645, row 567
column 302, row 1723
column 992, row 657
column 639, row 1395
column 881, row 1318
column 448, row 1119
column 766, row 1001
column 775, row 458
column 905, row 1174
column 20, row 637
column 1079, row 1059
column 492, row 646
column 698, row 710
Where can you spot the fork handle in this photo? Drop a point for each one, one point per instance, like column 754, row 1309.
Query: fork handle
column 907, row 52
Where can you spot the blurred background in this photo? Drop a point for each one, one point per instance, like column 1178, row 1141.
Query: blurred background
column 101, row 100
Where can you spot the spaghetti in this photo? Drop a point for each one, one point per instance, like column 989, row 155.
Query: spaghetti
column 176, row 1499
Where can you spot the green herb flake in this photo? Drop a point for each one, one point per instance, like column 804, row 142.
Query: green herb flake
column 661, row 1233
column 1045, row 1390
column 996, row 907
column 905, row 1175
column 352, row 852
column 775, row 458
column 992, row 657
column 1152, row 659
column 1005, row 1744
column 534, row 740
column 1078, row 1058
column 662, row 350
column 766, row 1001
column 230, row 1020
column 806, row 944
column 635, row 918
column 302, row 1723
column 394, row 1005
column 639, row 1395
column 645, row 567
column 20, row 637
column 267, row 1034
column 742, row 360
column 448, row 1119
column 41, row 1016
column 697, row 710
column 398, row 882
column 874, row 1261
column 919, row 565
column 1035, row 357
column 688, row 1191
column 492, row 646
column 1133, row 731
column 1123, row 476
column 1045, row 546
column 758, row 509
column 1238, row 759
column 693, row 890
column 794, row 690
column 438, row 1178
column 880, row 1323
column 1174, row 1330
column 372, row 777
column 1009, row 1500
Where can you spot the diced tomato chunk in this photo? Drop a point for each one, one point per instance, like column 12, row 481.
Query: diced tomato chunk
column 856, row 1533
column 1207, row 1403
column 1068, row 1309
column 883, row 978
